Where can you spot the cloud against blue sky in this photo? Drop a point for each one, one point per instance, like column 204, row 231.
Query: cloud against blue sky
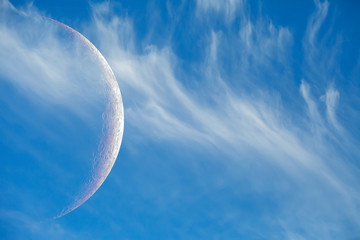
column 241, row 118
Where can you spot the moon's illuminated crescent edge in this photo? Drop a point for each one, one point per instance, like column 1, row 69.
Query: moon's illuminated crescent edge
column 113, row 127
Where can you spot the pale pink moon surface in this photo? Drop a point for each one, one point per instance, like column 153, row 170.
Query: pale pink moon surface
column 113, row 127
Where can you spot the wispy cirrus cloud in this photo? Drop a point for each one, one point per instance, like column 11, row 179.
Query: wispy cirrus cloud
column 159, row 105
column 228, row 9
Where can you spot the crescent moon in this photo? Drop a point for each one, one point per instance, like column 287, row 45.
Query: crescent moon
column 113, row 127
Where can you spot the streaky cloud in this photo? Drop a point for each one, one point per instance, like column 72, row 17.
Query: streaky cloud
column 229, row 9
column 237, row 122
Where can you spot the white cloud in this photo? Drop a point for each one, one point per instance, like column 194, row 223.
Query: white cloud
column 45, row 72
column 160, row 106
column 228, row 8
column 331, row 98
column 316, row 20
column 314, row 114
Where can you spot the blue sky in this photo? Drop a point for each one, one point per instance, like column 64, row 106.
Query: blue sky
column 241, row 119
